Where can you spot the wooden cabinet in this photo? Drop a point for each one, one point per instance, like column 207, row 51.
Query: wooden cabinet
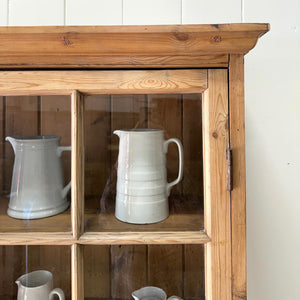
column 82, row 83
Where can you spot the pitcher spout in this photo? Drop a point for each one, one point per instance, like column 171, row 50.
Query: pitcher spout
column 117, row 132
column 17, row 282
column 12, row 142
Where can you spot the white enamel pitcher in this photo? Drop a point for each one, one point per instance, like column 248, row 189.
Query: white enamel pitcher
column 152, row 293
column 142, row 187
column 38, row 285
column 37, row 189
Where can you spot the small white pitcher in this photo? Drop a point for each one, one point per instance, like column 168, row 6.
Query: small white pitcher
column 152, row 293
column 37, row 189
column 38, row 285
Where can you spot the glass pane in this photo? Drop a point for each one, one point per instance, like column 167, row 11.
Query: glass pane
column 33, row 266
column 115, row 272
column 120, row 195
column 33, row 170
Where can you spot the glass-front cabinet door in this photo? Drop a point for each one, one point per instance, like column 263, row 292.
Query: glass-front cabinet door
column 147, row 212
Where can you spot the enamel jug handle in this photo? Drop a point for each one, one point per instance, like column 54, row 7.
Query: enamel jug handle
column 59, row 292
column 59, row 150
column 180, row 171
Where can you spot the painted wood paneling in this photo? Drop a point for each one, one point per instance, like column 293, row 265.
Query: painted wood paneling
column 272, row 113
column 36, row 12
column 3, row 12
column 144, row 12
column 93, row 12
column 211, row 12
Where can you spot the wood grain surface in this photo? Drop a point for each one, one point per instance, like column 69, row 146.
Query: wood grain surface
column 141, row 238
column 77, row 189
column 238, row 194
column 125, row 46
column 66, row 62
column 102, row 82
column 77, row 272
column 217, row 198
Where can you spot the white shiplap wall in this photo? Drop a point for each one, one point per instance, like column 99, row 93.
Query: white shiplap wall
column 273, row 152
column 272, row 113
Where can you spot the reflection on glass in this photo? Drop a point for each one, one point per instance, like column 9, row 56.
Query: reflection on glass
column 31, row 272
column 178, row 116
column 37, row 183
column 34, row 167
column 119, row 270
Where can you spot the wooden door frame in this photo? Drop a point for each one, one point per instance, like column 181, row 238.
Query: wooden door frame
column 213, row 84
column 216, row 196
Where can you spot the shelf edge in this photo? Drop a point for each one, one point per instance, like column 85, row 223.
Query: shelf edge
column 132, row 238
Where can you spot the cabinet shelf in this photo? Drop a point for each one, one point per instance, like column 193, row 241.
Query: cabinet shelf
column 186, row 214
column 157, row 237
column 57, row 223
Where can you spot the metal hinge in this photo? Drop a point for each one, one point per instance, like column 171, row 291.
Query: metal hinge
column 229, row 169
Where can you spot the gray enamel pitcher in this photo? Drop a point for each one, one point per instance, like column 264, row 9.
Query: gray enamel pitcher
column 142, row 187
column 37, row 189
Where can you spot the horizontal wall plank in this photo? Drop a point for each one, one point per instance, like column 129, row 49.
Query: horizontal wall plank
column 3, row 12
column 151, row 12
column 93, row 12
column 211, row 12
column 124, row 46
column 102, row 82
column 36, row 12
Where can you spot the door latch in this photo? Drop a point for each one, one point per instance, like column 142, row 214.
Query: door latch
column 229, row 169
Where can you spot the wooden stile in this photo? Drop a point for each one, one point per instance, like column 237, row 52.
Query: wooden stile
column 238, row 194
column 217, row 198
column 77, row 190
column 77, row 272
